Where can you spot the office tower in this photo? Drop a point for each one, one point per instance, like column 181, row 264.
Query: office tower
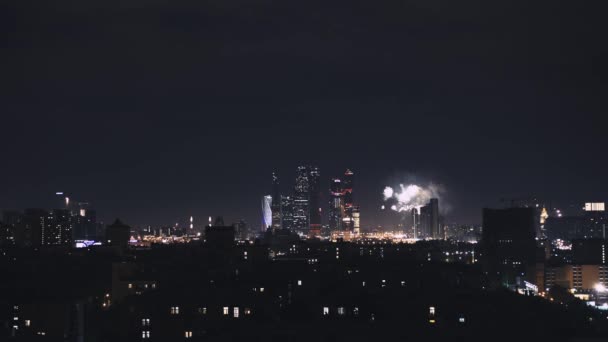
column 436, row 231
column 276, row 202
column 287, row 213
column 356, row 220
column 57, row 228
column 508, row 242
column 314, row 194
column 301, row 206
column 118, row 234
column 336, row 205
column 266, row 212
column 347, row 189
column 85, row 224
column 415, row 222
column 429, row 227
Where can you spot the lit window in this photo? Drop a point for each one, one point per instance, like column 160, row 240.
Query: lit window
column 340, row 311
column 145, row 334
column 247, row 311
column 145, row 322
column 299, row 283
column 130, row 286
column 15, row 318
column 226, row 310
column 153, row 285
column 175, row 310
column 461, row 320
column 28, row 323
column 432, row 310
column 202, row 311
column 356, row 311
column 188, row 334
column 235, row 312
column 261, row 289
column 325, row 311
column 363, row 284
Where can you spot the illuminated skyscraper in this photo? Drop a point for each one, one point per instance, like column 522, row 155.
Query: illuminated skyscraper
column 347, row 190
column 276, row 202
column 301, row 201
column 266, row 212
column 336, row 205
column 356, row 220
column 314, row 194
column 287, row 212
column 57, row 228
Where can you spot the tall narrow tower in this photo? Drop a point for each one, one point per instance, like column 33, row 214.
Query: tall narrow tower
column 276, row 203
column 314, row 194
column 301, row 201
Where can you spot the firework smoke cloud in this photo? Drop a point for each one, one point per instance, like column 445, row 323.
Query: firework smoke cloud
column 410, row 196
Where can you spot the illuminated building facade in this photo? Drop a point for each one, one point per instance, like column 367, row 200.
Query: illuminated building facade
column 301, row 205
column 266, row 212
column 287, row 213
column 347, row 190
column 336, row 205
column 314, row 194
column 276, row 202
column 356, row 220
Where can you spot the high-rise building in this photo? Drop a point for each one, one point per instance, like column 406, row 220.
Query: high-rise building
column 287, row 212
column 266, row 212
column 347, row 189
column 85, row 224
column 314, row 194
column 276, row 202
column 336, row 205
column 429, row 227
column 356, row 220
column 57, row 228
column 301, row 205
column 508, row 242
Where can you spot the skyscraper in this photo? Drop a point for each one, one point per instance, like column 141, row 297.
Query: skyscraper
column 508, row 241
column 266, row 212
column 429, row 226
column 347, row 190
column 287, row 212
column 301, row 202
column 57, row 228
column 314, row 194
column 336, row 205
column 356, row 220
column 276, row 202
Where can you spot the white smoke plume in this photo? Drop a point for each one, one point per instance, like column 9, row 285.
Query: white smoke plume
column 410, row 196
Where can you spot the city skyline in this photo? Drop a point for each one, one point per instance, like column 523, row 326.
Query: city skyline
column 253, row 170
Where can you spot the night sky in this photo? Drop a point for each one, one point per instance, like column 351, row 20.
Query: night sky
column 157, row 110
